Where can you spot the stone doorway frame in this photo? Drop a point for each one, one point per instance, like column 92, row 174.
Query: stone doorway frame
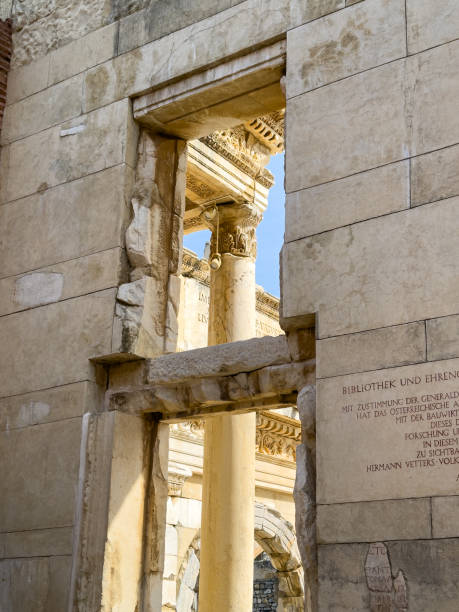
column 138, row 404
column 258, row 374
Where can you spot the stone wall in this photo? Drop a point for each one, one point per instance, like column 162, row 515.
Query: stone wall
column 5, row 56
column 265, row 585
column 371, row 249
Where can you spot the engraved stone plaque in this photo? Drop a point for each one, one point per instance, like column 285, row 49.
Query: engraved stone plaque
column 389, row 434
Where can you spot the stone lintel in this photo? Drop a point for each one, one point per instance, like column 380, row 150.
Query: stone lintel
column 219, row 97
column 221, row 360
column 261, row 389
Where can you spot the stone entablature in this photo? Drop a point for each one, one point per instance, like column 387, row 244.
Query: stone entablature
column 229, row 166
column 277, row 435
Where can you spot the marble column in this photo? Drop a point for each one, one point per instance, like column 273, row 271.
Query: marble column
column 227, row 528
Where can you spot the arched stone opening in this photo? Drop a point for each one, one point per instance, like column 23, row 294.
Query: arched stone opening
column 276, row 537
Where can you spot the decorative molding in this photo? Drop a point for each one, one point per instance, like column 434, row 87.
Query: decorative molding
column 177, row 475
column 267, row 304
column 193, row 267
column 269, row 129
column 249, row 146
column 199, row 188
column 277, row 436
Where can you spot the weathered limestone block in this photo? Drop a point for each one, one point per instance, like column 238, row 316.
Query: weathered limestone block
column 62, row 281
column 40, row 473
column 349, row 275
column 428, row 567
column 37, row 228
column 430, row 100
column 363, row 117
column 362, row 37
column 372, row 350
column 302, row 344
column 135, row 330
column 301, row 12
column 47, row 580
column 156, row 513
column 343, row 587
column 374, row 521
column 385, row 591
column 443, row 338
column 147, row 307
column 68, row 333
column 37, row 543
column 305, row 496
column 123, row 547
column 133, row 536
column 369, row 194
column 171, row 541
column 285, row 378
column 275, row 386
column 27, row 80
column 172, row 314
column 431, row 24
column 185, row 598
column 373, row 118
column 138, row 236
column 43, row 110
column 83, row 53
column 434, row 176
column 85, row 145
column 289, row 582
column 445, row 517
column 46, row 406
column 161, row 18
column 386, row 462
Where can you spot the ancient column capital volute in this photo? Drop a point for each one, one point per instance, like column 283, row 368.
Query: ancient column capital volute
column 233, row 227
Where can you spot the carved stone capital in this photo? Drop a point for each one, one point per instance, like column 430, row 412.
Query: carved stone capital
column 234, row 228
column 177, row 475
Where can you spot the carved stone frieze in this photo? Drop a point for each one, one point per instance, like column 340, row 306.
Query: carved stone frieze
column 267, row 304
column 276, row 435
column 199, row 188
column 244, row 150
column 269, row 129
column 230, row 164
column 249, row 146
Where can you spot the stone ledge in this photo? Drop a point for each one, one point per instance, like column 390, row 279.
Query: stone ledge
column 221, row 360
column 256, row 374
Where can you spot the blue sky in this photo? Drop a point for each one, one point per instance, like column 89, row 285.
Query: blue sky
column 270, row 232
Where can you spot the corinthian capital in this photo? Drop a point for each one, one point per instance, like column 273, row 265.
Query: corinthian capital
column 234, row 227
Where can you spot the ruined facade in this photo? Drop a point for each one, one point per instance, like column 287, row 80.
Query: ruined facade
column 108, row 105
